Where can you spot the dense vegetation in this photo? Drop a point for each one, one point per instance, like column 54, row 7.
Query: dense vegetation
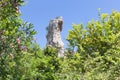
column 93, row 51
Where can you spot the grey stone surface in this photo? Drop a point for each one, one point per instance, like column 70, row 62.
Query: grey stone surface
column 53, row 35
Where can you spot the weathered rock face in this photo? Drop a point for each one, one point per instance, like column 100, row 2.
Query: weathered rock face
column 53, row 35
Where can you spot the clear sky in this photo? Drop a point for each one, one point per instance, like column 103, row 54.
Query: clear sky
column 39, row 13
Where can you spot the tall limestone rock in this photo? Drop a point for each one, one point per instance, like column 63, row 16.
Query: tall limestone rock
column 53, row 35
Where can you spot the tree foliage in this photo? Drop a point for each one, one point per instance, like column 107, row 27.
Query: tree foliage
column 99, row 45
column 15, row 38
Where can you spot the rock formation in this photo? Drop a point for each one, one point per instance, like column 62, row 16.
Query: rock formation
column 53, row 35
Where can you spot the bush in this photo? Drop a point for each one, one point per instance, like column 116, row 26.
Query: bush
column 99, row 47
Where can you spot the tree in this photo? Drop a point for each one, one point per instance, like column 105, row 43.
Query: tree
column 16, row 37
column 99, row 45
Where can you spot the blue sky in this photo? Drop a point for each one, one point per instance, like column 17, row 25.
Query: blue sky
column 39, row 13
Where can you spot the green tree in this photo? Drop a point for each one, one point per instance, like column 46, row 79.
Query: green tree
column 99, row 46
column 15, row 40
